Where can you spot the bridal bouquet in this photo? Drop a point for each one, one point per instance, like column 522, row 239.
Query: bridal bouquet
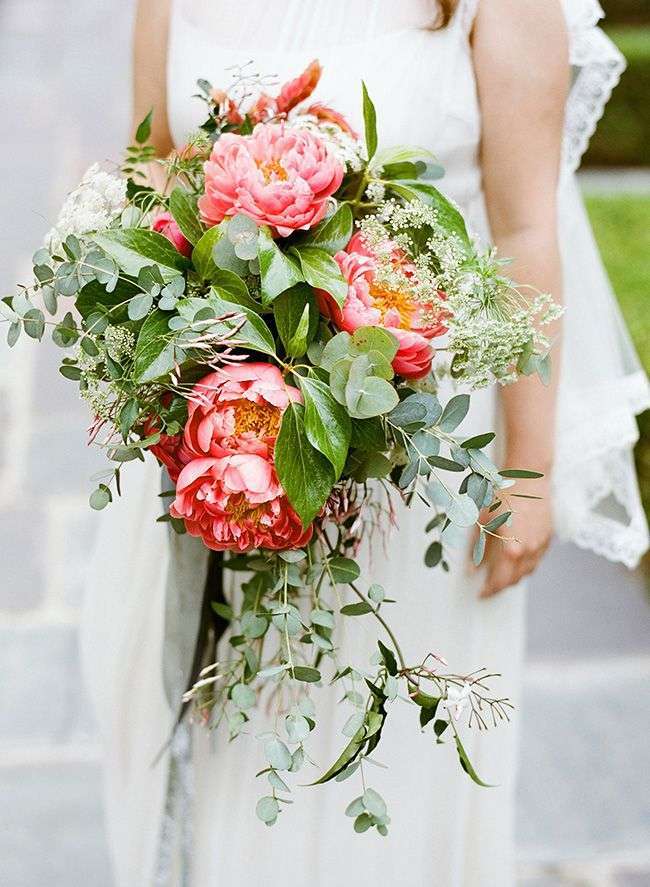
column 271, row 323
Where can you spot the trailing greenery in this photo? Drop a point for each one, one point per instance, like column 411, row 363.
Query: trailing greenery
column 622, row 227
column 623, row 135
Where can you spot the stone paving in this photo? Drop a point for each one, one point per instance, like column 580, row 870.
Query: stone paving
column 584, row 818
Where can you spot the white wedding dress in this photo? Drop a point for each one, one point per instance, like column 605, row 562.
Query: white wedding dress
column 189, row 819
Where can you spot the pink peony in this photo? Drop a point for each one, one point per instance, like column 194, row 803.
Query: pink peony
column 370, row 303
column 277, row 176
column 298, row 90
column 236, row 503
column 329, row 115
column 165, row 224
column 238, row 408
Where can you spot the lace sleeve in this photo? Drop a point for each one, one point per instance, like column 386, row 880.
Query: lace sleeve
column 597, row 66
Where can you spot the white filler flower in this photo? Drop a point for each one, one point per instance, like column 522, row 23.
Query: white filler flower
column 93, row 206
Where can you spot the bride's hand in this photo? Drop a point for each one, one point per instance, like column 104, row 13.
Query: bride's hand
column 507, row 562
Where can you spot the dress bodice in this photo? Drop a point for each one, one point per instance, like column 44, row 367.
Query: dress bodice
column 420, row 79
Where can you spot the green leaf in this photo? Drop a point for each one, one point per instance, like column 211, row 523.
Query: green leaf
column 135, row 248
column 433, row 555
column 306, row 674
column 154, row 354
column 143, row 131
column 374, row 338
column 139, row 306
column 232, row 288
column 267, row 810
column 366, row 395
column 370, row 122
column 183, row 208
column 70, row 372
column 466, row 764
column 243, row 696
column 450, row 218
column 321, row 271
column 498, row 521
column 520, row 473
column 478, row 442
column 223, row 610
column 128, row 415
column 13, row 333
column 360, row 609
column 253, row 333
column 93, row 296
column 454, row 413
column 389, row 658
column 34, row 323
column 296, row 317
column 335, row 350
column 305, row 474
column 374, row 803
column 349, row 754
column 202, row 259
column 368, row 434
column 278, row 271
column 334, row 233
column 100, row 497
column 479, row 549
column 343, row 570
column 462, row 511
column 327, row 423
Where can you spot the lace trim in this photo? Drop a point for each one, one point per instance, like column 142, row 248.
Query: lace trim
column 595, row 491
column 598, row 66
column 598, row 507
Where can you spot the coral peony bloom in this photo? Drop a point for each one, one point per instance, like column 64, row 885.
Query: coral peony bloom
column 278, row 176
column 236, row 503
column 369, row 302
column 300, row 89
column 165, row 224
column 235, row 409
column 330, row 115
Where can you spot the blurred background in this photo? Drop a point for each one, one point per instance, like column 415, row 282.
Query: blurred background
column 584, row 802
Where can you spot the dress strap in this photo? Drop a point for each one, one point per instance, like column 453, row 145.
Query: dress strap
column 465, row 16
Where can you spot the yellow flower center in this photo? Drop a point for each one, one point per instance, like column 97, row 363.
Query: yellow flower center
column 386, row 300
column 273, row 171
column 239, row 509
column 260, row 418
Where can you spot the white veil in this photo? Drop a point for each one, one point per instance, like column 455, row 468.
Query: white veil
column 603, row 385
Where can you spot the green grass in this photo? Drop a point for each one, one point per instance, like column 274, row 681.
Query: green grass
column 623, row 135
column 622, row 227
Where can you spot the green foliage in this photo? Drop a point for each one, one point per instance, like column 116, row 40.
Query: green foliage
column 622, row 227
column 623, row 134
column 306, row 474
column 183, row 208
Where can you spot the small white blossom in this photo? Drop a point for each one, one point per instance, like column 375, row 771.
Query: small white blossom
column 457, row 699
column 93, row 206
column 347, row 149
